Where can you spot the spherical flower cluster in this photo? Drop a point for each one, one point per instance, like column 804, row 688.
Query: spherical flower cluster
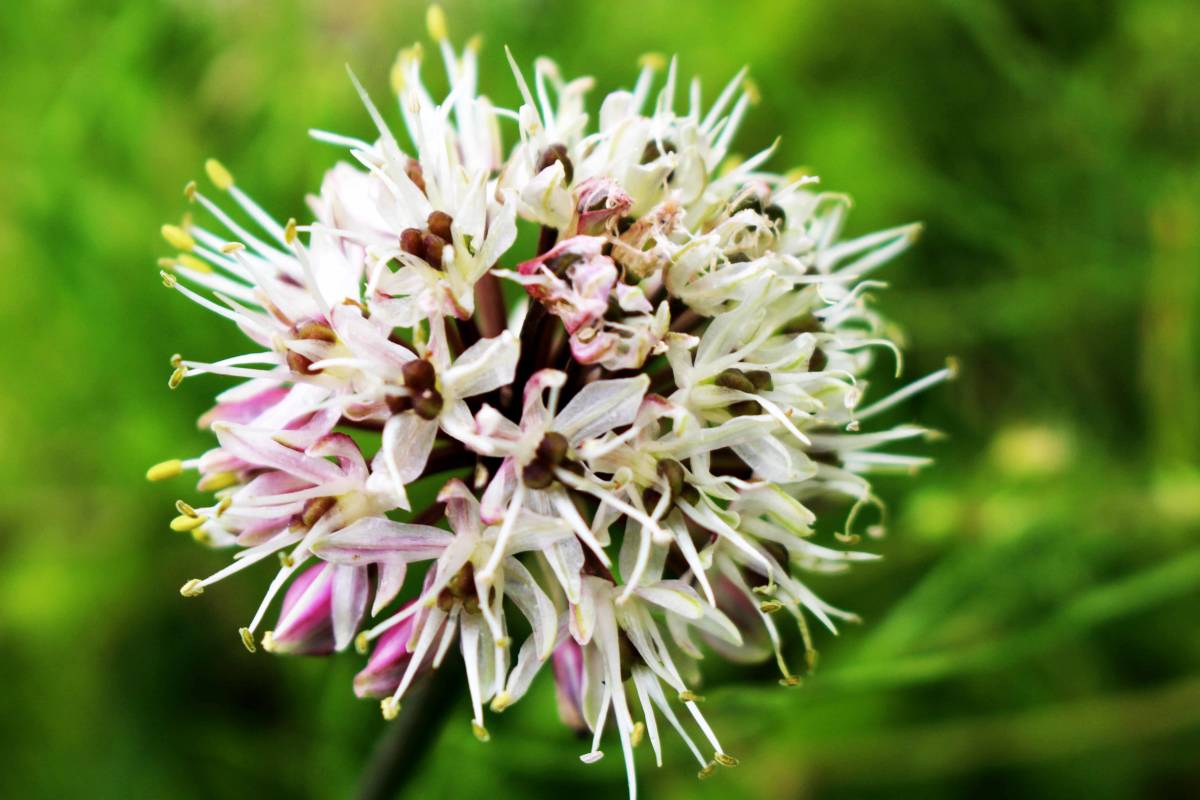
column 623, row 459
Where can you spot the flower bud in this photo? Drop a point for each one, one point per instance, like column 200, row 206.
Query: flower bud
column 388, row 661
column 568, row 684
column 305, row 624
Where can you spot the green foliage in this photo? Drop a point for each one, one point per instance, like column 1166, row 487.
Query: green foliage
column 1032, row 629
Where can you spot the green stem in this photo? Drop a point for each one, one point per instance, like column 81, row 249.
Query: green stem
column 399, row 753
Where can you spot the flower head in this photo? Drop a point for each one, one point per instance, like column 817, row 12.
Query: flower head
column 627, row 460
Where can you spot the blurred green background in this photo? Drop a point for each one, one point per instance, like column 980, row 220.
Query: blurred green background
column 1033, row 630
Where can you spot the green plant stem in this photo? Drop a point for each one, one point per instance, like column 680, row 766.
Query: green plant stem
column 398, row 754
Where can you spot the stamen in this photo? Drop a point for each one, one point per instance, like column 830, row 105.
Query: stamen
column 390, row 707
column 164, row 470
column 178, row 238
column 247, row 638
column 193, row 588
column 185, row 524
column 217, row 481
column 435, row 21
column 218, row 174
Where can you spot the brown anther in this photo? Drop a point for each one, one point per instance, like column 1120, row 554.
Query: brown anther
column 552, row 449
column 415, row 174
column 673, row 472
column 462, row 585
column 745, row 408
column 317, row 331
column 410, row 242
column 314, row 509
column 428, row 403
column 433, row 245
column 439, row 223
column 819, row 361
column 761, row 379
column 537, row 475
column 399, row 403
column 735, row 379
column 653, row 152
column 775, row 213
column 298, row 363
column 419, row 375
column 557, row 152
column 752, row 202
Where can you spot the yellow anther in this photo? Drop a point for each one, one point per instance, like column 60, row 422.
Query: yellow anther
column 164, row 470
column 224, row 505
column 185, row 509
column 405, row 57
column 770, row 607
column 635, row 736
column 690, row 697
column 247, row 639
column 731, row 162
column 789, row 681
column 177, row 377
column 798, row 174
column 475, row 43
column 362, row 643
column 217, row 481
column 268, row 641
column 480, row 732
column 176, row 360
column 184, row 524
column 193, row 588
column 504, row 642
column 751, row 90
column 194, row 264
column 435, row 21
column 652, row 60
column 501, row 702
column 286, row 561
column 952, row 366
column 390, row 707
column 168, row 279
column 707, row 772
column 232, row 247
column 221, row 177
column 289, row 231
column 177, row 237
column 189, row 191
column 201, row 536
column 168, row 263
column 725, row 760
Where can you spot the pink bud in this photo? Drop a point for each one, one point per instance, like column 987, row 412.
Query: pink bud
column 305, row 624
column 388, row 660
column 568, row 684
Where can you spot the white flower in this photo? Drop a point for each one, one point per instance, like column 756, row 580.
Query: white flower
column 629, row 460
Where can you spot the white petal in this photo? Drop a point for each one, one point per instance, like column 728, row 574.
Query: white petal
column 600, row 407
